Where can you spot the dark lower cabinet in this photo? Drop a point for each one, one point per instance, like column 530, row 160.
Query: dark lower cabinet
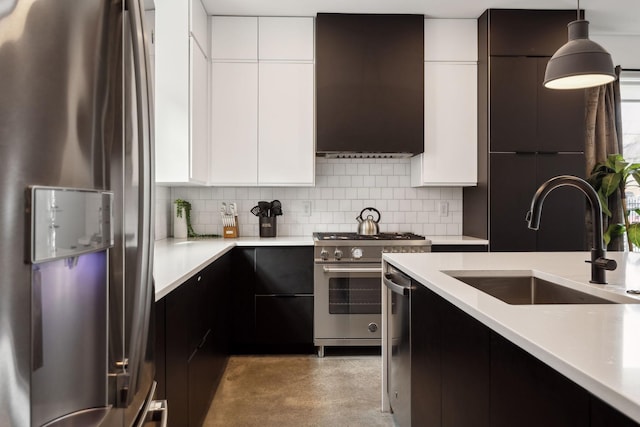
column 465, row 374
column 273, row 299
column 194, row 345
column 465, row 369
column 450, row 364
column 426, row 356
column 284, row 319
column 526, row 392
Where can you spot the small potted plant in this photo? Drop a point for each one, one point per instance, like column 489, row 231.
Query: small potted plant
column 610, row 179
column 182, row 228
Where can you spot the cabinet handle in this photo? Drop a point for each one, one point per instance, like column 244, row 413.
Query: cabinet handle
column 403, row 289
column 352, row 270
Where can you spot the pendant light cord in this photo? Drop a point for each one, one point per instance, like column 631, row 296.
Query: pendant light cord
column 578, row 11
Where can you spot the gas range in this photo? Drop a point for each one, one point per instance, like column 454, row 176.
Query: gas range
column 354, row 247
column 347, row 297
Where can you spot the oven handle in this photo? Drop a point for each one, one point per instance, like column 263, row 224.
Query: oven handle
column 352, row 269
column 401, row 289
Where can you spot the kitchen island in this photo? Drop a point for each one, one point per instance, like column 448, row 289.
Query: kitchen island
column 595, row 346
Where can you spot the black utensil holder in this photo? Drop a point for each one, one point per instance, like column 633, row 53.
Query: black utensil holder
column 268, row 226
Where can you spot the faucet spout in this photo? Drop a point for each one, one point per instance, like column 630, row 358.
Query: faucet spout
column 598, row 261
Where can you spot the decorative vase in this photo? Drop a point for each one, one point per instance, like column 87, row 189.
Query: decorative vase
column 179, row 223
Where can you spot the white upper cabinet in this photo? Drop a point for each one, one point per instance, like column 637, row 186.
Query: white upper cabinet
column 450, row 40
column 262, row 98
column 450, row 155
column 450, row 105
column 181, row 129
column 234, row 123
column 285, row 39
column 286, row 138
column 198, row 24
column 234, row 38
column 199, row 114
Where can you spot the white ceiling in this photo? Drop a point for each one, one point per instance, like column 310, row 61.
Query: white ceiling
column 605, row 16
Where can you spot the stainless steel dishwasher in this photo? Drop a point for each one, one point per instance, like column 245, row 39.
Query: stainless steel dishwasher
column 399, row 288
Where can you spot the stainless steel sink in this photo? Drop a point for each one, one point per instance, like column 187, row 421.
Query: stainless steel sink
column 527, row 290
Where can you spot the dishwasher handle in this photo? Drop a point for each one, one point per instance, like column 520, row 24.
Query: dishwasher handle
column 403, row 288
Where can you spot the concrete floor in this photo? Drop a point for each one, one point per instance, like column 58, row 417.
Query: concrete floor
column 337, row 390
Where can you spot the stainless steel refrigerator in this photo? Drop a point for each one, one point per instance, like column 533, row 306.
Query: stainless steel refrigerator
column 76, row 214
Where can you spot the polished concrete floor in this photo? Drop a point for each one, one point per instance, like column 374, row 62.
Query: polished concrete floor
column 337, row 390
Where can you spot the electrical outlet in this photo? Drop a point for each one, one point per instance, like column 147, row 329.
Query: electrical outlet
column 306, row 208
column 443, row 208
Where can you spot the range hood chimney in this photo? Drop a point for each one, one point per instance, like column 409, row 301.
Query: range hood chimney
column 369, row 85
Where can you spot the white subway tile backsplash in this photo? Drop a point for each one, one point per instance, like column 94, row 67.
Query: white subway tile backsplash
column 343, row 188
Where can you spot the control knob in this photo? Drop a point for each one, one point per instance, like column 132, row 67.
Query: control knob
column 337, row 254
column 324, row 254
column 372, row 327
column 356, row 253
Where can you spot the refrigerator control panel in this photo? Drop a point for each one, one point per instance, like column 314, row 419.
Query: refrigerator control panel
column 67, row 222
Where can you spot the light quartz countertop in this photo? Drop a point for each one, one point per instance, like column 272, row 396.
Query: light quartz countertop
column 456, row 240
column 176, row 260
column 595, row 345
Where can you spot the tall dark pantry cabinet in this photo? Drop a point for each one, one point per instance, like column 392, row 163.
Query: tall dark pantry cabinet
column 526, row 135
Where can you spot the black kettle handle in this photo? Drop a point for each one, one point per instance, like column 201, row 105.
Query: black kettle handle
column 371, row 209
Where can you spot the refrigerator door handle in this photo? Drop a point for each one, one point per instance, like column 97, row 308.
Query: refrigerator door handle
column 144, row 264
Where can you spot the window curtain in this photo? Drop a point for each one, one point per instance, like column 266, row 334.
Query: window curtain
column 603, row 136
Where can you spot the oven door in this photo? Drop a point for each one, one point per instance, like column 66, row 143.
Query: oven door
column 347, row 303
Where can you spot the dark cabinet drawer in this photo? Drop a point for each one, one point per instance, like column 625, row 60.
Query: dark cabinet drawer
column 285, row 270
column 284, row 319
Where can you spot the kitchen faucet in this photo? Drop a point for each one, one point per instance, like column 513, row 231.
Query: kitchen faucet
column 599, row 264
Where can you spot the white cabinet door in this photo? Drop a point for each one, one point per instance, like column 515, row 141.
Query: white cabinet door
column 234, row 38
column 198, row 24
column 450, row 125
column 172, row 92
column 285, row 38
column 450, row 40
column 181, row 84
column 234, row 124
column 199, row 126
column 286, row 120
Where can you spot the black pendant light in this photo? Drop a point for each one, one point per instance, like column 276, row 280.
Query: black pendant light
column 580, row 63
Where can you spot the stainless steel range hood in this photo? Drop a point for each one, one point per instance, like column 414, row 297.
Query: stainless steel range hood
column 369, row 85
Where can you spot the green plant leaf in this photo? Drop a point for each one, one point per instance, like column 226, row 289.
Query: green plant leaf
column 610, row 183
column 636, row 176
column 604, row 202
column 637, row 211
column 613, row 159
column 614, row 230
column 633, row 233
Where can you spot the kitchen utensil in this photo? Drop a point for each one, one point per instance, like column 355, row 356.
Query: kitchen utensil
column 276, row 208
column 256, row 210
column 265, row 208
column 368, row 226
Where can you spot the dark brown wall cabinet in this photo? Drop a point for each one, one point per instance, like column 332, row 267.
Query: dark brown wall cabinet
column 192, row 342
column 273, row 299
column 464, row 374
column 527, row 134
column 370, row 83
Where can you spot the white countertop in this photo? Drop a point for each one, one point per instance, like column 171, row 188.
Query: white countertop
column 596, row 346
column 456, row 240
column 176, row 260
